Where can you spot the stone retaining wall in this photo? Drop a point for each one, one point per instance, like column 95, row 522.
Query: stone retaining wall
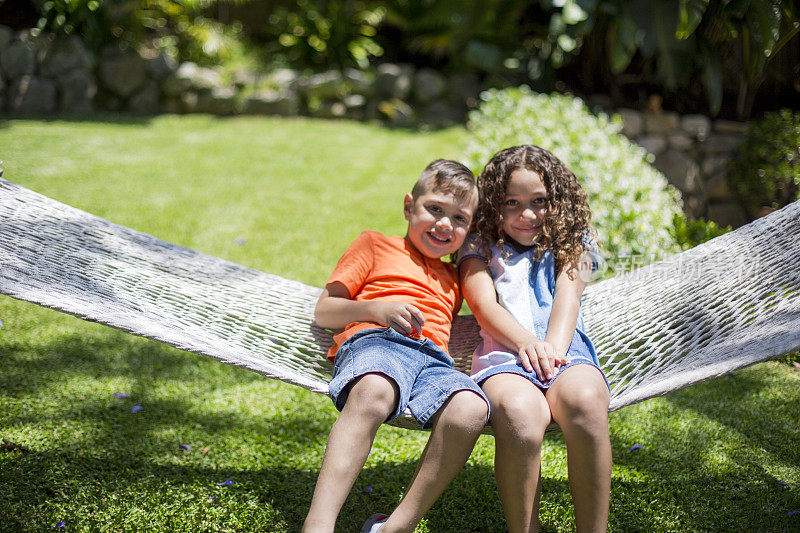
column 43, row 75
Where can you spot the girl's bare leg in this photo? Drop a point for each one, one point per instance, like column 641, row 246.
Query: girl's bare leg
column 520, row 416
column 372, row 398
column 456, row 427
column 579, row 401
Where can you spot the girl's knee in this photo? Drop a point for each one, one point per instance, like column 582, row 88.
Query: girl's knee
column 583, row 404
column 524, row 416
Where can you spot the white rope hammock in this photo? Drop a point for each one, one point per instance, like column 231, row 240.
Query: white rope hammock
column 728, row 303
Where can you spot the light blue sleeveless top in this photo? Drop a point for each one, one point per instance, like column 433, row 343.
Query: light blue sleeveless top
column 525, row 288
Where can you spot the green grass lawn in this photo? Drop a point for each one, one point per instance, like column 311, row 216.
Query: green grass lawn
column 286, row 196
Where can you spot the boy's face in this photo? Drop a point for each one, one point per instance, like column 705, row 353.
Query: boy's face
column 438, row 222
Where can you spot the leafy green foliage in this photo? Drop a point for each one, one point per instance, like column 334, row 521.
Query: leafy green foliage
column 99, row 22
column 689, row 232
column 327, row 33
column 631, row 202
column 765, row 172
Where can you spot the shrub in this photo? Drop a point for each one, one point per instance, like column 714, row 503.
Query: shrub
column 632, row 203
column 689, row 232
column 765, row 171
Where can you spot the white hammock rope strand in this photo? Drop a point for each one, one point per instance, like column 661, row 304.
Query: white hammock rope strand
column 728, row 303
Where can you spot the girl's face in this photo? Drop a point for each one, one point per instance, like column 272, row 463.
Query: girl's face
column 525, row 206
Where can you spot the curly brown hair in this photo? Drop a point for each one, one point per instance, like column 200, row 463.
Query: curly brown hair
column 567, row 224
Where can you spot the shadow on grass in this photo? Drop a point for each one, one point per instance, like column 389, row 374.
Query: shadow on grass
column 97, row 116
column 107, row 456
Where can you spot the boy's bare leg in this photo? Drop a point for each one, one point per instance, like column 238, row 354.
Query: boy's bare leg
column 579, row 401
column 520, row 416
column 456, row 427
column 372, row 398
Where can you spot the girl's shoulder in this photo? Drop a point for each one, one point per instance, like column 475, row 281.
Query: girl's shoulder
column 475, row 246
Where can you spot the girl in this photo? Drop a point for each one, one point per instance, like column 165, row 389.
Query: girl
column 523, row 271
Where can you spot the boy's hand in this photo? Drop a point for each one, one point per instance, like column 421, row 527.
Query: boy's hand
column 540, row 357
column 402, row 317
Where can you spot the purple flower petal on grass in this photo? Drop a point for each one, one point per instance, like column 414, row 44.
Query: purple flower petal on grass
column 226, row 483
column 368, row 489
column 120, row 395
column 136, row 408
column 61, row 525
column 184, row 447
column 1, row 323
column 792, row 513
column 782, row 484
column 240, row 241
column 635, row 447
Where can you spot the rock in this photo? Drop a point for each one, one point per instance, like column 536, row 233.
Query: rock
column 218, row 101
column 6, row 35
column 161, row 67
column 441, row 114
column 245, row 78
column 18, row 59
column 661, row 123
column 694, row 206
column 328, row 109
column 632, row 123
column 122, row 73
column 680, row 170
column 189, row 76
column 325, row 86
column 428, row 85
column 284, row 78
column 727, row 214
column 730, row 126
column 680, row 141
column 394, row 81
column 31, row 94
column 698, row 126
column 268, row 102
column 77, row 89
column 397, row 113
column 717, row 188
column 359, row 81
column 145, row 102
column 714, row 164
column 654, row 144
column 189, row 101
column 65, row 55
column 716, row 143
column 171, row 105
column 463, row 90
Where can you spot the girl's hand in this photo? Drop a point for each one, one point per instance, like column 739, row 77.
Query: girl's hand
column 402, row 317
column 540, row 357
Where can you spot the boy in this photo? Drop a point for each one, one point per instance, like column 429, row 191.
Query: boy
column 396, row 299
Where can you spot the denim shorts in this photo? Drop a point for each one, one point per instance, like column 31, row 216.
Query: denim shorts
column 423, row 372
column 502, row 362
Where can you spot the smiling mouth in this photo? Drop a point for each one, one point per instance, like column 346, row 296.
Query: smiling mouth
column 438, row 240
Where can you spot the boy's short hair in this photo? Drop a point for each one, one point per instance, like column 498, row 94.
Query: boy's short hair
column 449, row 176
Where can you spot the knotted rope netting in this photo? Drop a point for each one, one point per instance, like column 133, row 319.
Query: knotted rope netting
column 728, row 303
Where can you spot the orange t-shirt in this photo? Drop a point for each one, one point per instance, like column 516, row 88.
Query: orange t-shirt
column 376, row 267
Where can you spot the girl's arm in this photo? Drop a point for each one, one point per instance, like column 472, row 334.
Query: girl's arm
column 535, row 354
column 335, row 309
column 566, row 304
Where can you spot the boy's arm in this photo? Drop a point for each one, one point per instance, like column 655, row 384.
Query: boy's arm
column 335, row 309
column 566, row 305
column 479, row 292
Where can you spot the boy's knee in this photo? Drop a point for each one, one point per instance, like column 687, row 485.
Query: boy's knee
column 467, row 411
column 373, row 396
